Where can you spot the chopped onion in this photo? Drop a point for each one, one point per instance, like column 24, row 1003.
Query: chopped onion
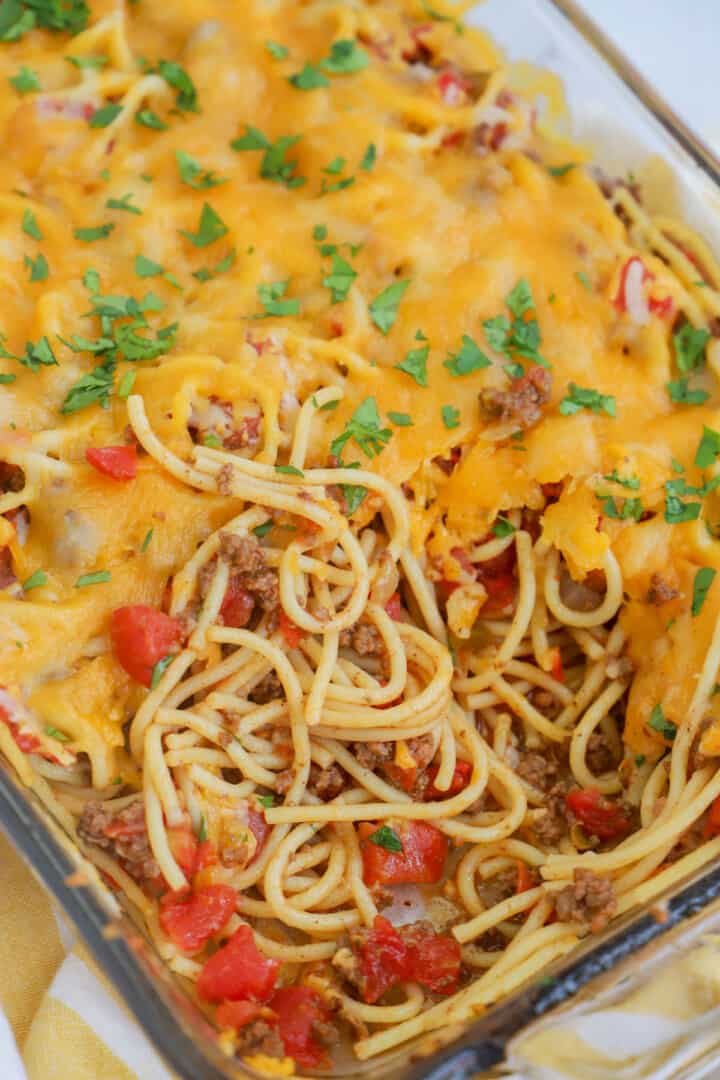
column 408, row 906
column 635, row 299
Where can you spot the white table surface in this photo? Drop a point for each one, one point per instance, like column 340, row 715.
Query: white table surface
column 676, row 45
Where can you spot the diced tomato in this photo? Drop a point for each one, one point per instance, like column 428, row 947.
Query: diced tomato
column 205, row 856
column 663, row 307
column 598, row 815
column 26, row 741
column 524, row 878
column 238, row 971
column 712, row 825
column 414, row 954
column 189, row 923
column 237, row 606
column 292, row 633
column 141, row 636
column 421, row 861
column 394, row 606
column 453, row 138
column 259, row 828
column 236, row 1014
column 460, row 780
column 557, row 670
column 184, row 848
column 299, row 1009
column 118, row 462
column 404, row 778
column 497, row 576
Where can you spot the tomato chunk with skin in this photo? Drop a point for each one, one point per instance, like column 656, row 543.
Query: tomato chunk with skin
column 412, row 954
column 460, row 780
column 236, row 1014
column 393, row 607
column 141, row 636
column 299, row 1011
column 238, row 971
column 117, row 462
column 190, row 922
column 597, row 815
column 293, row 634
column 421, row 861
column 237, row 606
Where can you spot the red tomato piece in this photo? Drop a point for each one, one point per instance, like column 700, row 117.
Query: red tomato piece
column 421, row 862
column 383, row 960
column 238, row 971
column 412, row 954
column 189, row 923
column 524, row 878
column 433, row 959
column 236, row 1014
column 237, row 606
column 557, row 670
column 598, row 815
column 663, row 307
column 118, row 462
column 292, row 633
column 460, row 780
column 184, row 848
column 299, row 1010
column 394, row 607
column 404, row 778
column 141, row 636
column 205, row 856
column 259, row 828
column 712, row 825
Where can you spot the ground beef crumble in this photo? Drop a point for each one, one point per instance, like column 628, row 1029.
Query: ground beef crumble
column 590, row 900
column 364, row 638
column 132, row 851
column 268, row 689
column 660, row 592
column 259, row 1037
column 523, row 403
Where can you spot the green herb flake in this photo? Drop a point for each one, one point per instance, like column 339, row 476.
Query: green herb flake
column 440, row 16
column 680, row 392
column 25, row 81
column 310, row 78
column 622, row 509
column 149, row 119
column 87, row 63
column 387, row 838
column 193, row 174
column 400, row 419
column 708, row 449
column 37, row 356
column 262, row 530
column 340, row 279
column 468, row 359
column 30, row 225
column 159, row 670
column 562, row 170
column 658, row 722
column 272, row 299
column 126, row 385
column 384, row 308
column 147, row 540
column 690, row 343
column 277, row 51
column 6, row 379
column 631, row 482
column 289, row 470
column 95, row 387
column 145, row 267
column 702, row 581
column 35, row 581
column 125, row 203
column 104, row 116
column 584, row 280
column 38, row 267
column 210, row 228
column 55, row 733
column 364, row 427
column 176, row 76
column 580, row 398
column 415, row 365
column 266, row 800
column 346, row 57
column 93, row 233
column 520, row 299
column 450, row 416
column 369, row 158
column 503, row 528
column 98, row 578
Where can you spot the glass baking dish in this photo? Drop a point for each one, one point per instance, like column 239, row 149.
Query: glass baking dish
column 617, row 114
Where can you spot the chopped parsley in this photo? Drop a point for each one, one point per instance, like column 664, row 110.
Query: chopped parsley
column 37, row 356
column 469, row 358
column 345, row 58
column 384, row 308
column 659, row 722
column 206, row 273
column 146, row 542
column 262, row 530
column 400, row 419
column 6, row 379
column 415, row 365
column 30, row 225
column 562, row 170
column 149, row 119
column 503, row 528
column 96, row 386
column 55, row 733
column 584, row 280
column 126, row 385
column 38, row 267
column 145, row 267
column 580, row 398
column 159, row 670
column 98, row 578
column 520, row 337
column 210, row 228
column 677, row 511
column 104, row 116
column 266, row 800
column 369, row 158
column 631, row 482
column 690, row 343
column 289, row 470
column 277, row 51
column 125, row 203
column 708, row 449
column 274, row 165
column 271, row 297
column 93, row 233
column 387, row 838
column 680, row 392
column 704, row 578
column 18, row 18
column 622, row 509
column 35, row 581
column 25, row 81
column 354, row 495
column 87, row 63
column 520, row 299
column 450, row 416
column 364, row 427
column 212, row 440
column 440, row 16
column 340, row 279
column 310, row 78
column 177, row 77
column 193, row 174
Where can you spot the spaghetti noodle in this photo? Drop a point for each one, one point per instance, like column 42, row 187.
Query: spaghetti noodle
column 357, row 603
